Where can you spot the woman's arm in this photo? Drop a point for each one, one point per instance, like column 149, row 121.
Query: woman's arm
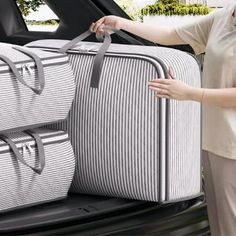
column 160, row 35
column 225, row 97
column 176, row 89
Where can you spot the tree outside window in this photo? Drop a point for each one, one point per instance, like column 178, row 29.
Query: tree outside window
column 26, row 6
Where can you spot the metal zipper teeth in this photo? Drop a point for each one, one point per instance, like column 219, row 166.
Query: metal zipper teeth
column 92, row 52
column 49, row 62
column 33, row 143
column 60, row 133
column 42, row 59
column 34, row 67
column 34, row 126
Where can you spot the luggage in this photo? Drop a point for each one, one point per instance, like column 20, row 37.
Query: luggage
column 36, row 87
column 127, row 142
column 37, row 166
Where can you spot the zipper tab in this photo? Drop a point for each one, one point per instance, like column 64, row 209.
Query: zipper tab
column 26, row 68
column 86, row 48
column 23, row 148
column 23, row 68
column 29, row 69
column 29, row 148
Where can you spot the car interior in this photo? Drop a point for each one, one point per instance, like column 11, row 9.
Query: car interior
column 81, row 214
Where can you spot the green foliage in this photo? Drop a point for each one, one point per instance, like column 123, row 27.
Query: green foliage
column 29, row 5
column 173, row 7
column 130, row 7
column 169, row 1
column 47, row 22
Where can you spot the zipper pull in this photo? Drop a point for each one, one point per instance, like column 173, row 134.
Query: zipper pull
column 29, row 69
column 23, row 148
column 29, row 148
column 23, row 68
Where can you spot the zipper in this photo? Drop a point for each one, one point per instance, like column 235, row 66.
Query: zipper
column 34, row 66
column 29, row 144
column 42, row 59
column 25, row 68
column 29, row 148
column 25, row 147
column 29, row 69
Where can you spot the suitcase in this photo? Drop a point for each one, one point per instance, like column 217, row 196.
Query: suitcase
column 128, row 143
column 36, row 87
column 37, row 166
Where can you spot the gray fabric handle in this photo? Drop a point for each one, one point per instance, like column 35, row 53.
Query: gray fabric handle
column 19, row 156
column 39, row 65
column 15, row 71
column 121, row 34
column 99, row 59
column 72, row 43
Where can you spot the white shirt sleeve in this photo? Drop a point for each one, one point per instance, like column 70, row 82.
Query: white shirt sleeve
column 196, row 33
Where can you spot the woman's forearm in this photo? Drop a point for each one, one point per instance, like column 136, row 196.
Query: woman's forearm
column 219, row 97
column 153, row 33
column 160, row 35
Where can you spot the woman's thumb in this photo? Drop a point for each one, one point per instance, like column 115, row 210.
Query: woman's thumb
column 171, row 73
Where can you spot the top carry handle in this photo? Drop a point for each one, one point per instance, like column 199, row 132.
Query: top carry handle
column 40, row 69
column 17, row 74
column 86, row 34
column 20, row 157
column 123, row 35
column 99, row 59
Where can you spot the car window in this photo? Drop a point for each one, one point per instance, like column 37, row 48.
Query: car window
column 38, row 16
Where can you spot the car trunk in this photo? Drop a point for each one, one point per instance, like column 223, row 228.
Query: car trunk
column 86, row 214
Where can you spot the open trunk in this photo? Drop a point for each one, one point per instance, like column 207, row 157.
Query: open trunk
column 83, row 214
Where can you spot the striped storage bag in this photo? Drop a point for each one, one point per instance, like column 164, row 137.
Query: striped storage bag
column 36, row 87
column 127, row 142
column 37, row 166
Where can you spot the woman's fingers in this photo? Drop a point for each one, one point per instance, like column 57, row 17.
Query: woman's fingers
column 100, row 29
column 91, row 27
column 160, row 91
column 159, row 81
column 96, row 25
column 159, row 86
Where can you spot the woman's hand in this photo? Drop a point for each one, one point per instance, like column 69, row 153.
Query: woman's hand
column 114, row 22
column 171, row 88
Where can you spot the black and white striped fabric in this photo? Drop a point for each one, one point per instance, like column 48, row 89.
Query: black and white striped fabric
column 21, row 107
column 127, row 142
column 20, row 186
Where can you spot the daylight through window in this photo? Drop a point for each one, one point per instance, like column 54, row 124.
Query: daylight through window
column 38, row 16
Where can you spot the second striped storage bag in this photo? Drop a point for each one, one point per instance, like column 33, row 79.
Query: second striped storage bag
column 36, row 87
column 37, row 166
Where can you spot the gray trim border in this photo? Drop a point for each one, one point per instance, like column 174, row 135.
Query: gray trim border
column 22, row 128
